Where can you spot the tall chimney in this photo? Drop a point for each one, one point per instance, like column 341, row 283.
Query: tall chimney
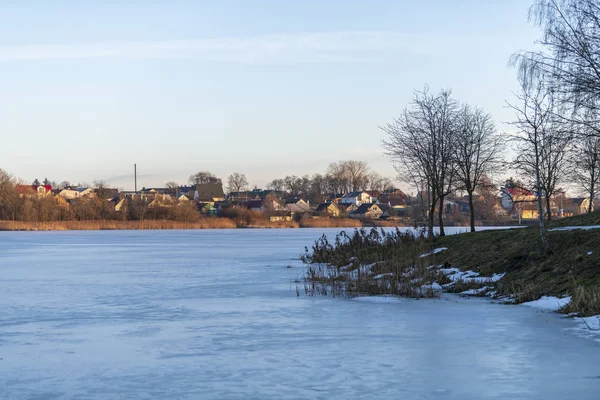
column 135, row 176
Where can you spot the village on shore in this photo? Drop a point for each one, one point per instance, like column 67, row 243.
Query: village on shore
column 510, row 204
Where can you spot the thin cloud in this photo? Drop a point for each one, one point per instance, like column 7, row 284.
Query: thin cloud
column 279, row 48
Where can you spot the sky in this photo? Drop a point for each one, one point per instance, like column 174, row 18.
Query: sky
column 267, row 88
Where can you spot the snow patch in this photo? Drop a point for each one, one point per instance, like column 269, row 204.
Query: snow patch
column 550, row 303
column 381, row 276
column 589, row 253
column 574, row 228
column 435, row 251
column 455, row 274
column 475, row 292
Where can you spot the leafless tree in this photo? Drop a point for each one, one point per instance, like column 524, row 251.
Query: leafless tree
column 377, row 182
column 478, row 152
column 422, row 143
column 585, row 167
column 349, row 175
column 568, row 59
column 533, row 112
column 173, row 187
column 237, row 182
column 203, row 177
column 277, row 185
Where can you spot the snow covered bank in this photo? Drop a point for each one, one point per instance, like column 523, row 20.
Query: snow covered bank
column 573, row 228
column 434, row 251
column 549, row 303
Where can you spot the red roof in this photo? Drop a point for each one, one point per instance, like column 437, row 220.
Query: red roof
column 24, row 189
column 517, row 191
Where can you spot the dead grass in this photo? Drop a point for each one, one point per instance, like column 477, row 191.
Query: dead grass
column 330, row 223
column 584, row 301
column 205, row 223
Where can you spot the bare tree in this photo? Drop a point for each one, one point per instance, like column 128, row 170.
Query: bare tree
column 277, row 185
column 533, row 119
column 585, row 167
column 422, row 142
column 568, row 59
column 203, row 177
column 173, row 187
column 478, row 152
column 237, row 182
column 349, row 175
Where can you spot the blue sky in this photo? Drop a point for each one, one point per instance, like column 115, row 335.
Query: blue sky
column 265, row 88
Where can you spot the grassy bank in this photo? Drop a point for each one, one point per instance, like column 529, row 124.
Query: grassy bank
column 571, row 267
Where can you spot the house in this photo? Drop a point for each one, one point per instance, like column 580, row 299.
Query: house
column 33, row 190
column 328, row 209
column 297, row 206
column 75, row 193
column 208, row 209
column 347, row 208
column 367, row 211
column 356, row 198
column 209, row 192
column 512, row 195
column 387, row 211
column 527, row 210
column 578, row 205
column 280, row 216
column 182, row 197
column 396, row 199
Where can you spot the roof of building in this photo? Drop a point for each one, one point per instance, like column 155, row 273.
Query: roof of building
column 210, row 191
column 365, row 207
column 352, row 195
column 518, row 191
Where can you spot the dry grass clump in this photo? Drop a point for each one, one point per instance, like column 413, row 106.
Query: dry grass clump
column 330, row 223
column 584, row 301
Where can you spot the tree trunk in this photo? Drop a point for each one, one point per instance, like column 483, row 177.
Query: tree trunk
column 548, row 210
column 541, row 214
column 591, row 206
column 471, row 210
column 441, row 216
column 430, row 220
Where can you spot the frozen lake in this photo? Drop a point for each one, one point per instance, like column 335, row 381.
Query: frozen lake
column 214, row 315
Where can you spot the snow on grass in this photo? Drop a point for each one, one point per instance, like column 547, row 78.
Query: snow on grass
column 455, row 275
column 573, row 228
column 381, row 276
column 550, row 303
column 475, row 292
column 435, row 251
column 589, row 253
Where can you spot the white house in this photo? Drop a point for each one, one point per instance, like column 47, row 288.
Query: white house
column 357, row 198
column 75, row 193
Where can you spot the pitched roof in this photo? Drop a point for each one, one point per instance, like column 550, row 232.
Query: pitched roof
column 518, row 191
column 324, row 206
column 210, row 190
column 364, row 208
column 352, row 194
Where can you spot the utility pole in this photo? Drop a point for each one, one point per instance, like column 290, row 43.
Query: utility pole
column 135, row 177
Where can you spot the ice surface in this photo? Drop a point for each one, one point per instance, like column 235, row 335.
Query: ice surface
column 214, row 315
column 548, row 303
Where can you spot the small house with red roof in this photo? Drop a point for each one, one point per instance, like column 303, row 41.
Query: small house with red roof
column 514, row 195
column 34, row 190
